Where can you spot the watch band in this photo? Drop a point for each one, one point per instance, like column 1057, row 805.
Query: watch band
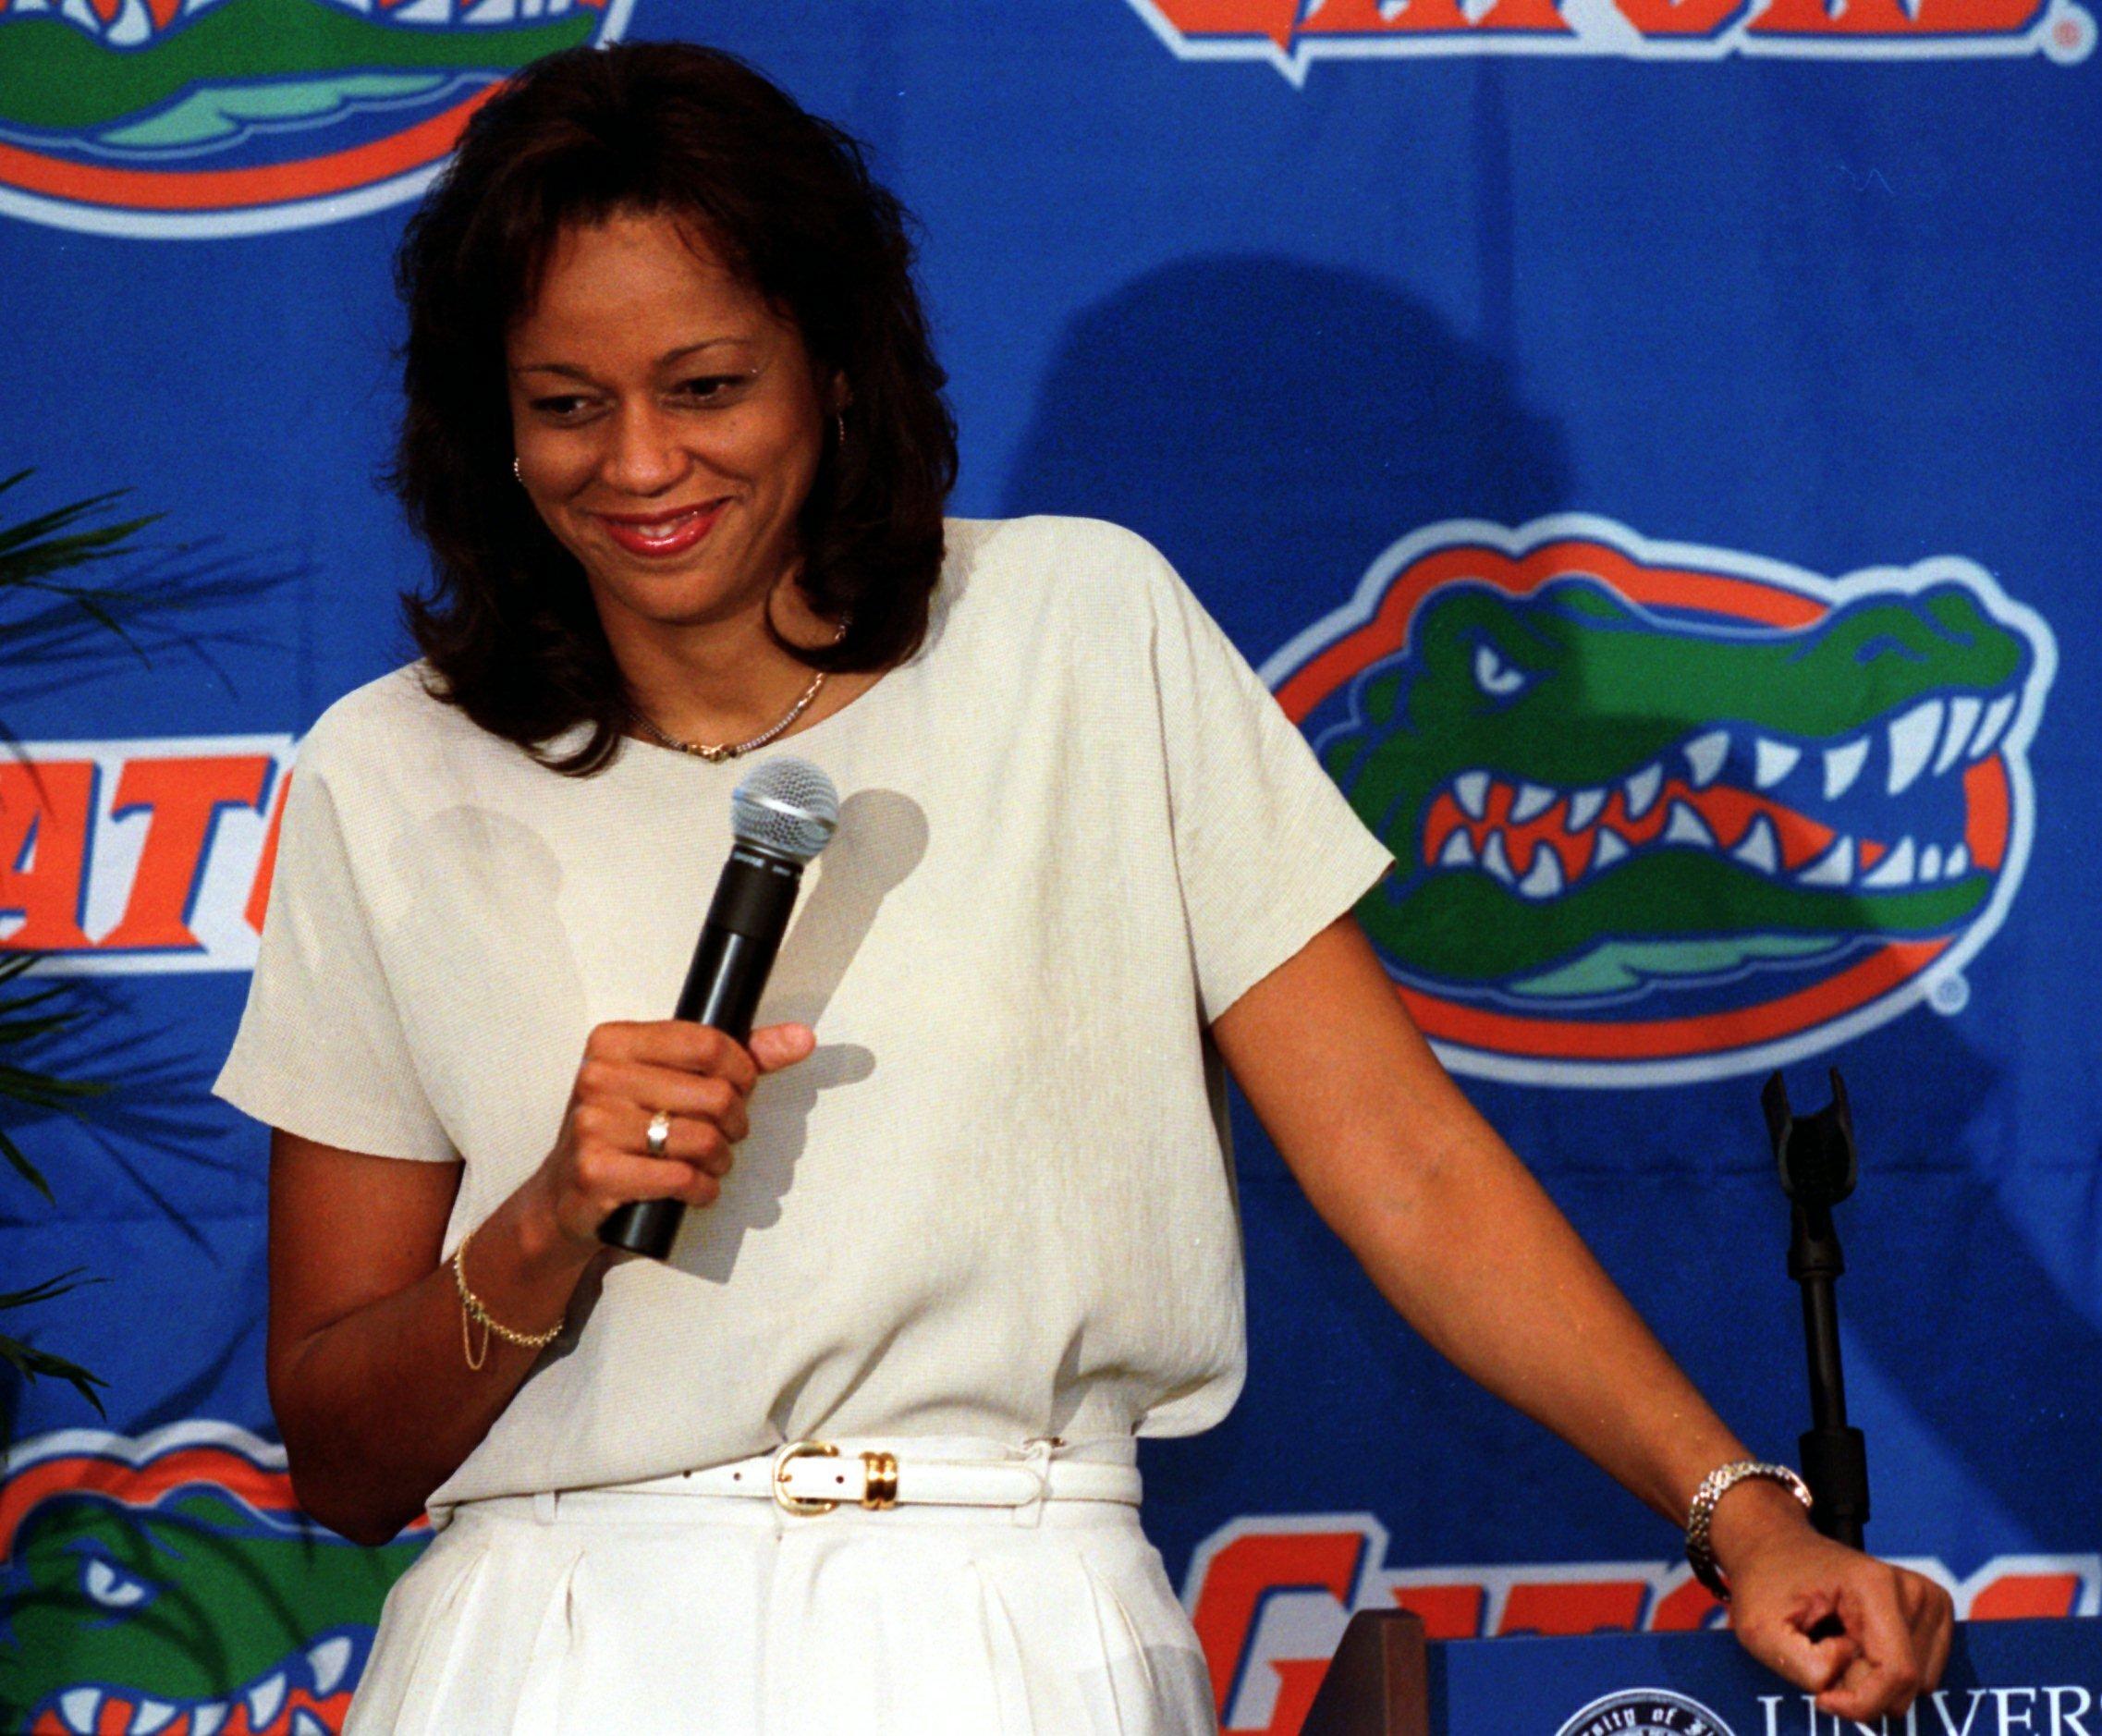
column 1700, row 1517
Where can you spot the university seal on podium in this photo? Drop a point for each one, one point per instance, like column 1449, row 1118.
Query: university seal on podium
column 1645, row 1712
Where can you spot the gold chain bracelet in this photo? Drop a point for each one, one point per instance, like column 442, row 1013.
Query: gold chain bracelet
column 473, row 1314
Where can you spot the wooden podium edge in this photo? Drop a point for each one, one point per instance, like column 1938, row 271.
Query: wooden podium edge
column 1378, row 1683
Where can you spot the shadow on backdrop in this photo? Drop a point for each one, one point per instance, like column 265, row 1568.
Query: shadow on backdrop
column 1271, row 425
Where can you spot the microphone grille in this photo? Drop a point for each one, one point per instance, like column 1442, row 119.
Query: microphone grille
column 786, row 806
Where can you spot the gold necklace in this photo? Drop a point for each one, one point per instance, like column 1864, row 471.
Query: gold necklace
column 716, row 752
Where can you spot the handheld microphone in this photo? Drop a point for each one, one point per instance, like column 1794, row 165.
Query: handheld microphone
column 783, row 814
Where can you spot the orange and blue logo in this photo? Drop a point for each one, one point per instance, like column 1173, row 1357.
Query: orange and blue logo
column 1269, row 1596
column 140, row 855
column 170, row 1584
column 1292, row 34
column 212, row 118
column 1664, row 812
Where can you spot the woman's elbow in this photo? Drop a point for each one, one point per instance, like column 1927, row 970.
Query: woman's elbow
column 352, row 1514
column 332, row 1478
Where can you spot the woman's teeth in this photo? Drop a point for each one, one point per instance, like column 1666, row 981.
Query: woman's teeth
column 663, row 536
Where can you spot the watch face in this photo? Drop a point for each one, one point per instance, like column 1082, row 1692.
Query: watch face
column 1645, row 1712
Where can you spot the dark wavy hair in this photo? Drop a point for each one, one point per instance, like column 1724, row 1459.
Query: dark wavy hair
column 507, row 623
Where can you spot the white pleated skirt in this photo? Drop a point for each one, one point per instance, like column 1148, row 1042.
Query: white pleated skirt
column 645, row 1614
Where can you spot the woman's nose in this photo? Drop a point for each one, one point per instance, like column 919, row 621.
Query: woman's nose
column 643, row 456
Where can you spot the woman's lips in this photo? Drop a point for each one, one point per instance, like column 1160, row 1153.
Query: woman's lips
column 661, row 533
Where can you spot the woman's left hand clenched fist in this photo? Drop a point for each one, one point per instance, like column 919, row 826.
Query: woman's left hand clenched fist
column 1881, row 1631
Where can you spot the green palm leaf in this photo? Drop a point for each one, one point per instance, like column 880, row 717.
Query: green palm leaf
column 40, row 547
column 36, row 554
column 26, row 1086
column 30, row 1362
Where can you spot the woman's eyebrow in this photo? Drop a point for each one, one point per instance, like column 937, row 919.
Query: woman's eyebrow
column 671, row 356
column 664, row 361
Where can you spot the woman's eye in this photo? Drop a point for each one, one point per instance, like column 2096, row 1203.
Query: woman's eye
column 558, row 407
column 705, row 387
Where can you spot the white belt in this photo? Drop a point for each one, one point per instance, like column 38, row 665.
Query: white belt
column 811, row 1476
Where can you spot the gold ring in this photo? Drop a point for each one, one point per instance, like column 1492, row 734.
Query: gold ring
column 659, row 1134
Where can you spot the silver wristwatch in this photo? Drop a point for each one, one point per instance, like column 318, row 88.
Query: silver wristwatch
column 1700, row 1554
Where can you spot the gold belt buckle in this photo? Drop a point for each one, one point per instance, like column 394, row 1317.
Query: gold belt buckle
column 880, row 1478
column 786, row 1456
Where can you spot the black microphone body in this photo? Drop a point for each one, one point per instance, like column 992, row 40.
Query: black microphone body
column 731, row 962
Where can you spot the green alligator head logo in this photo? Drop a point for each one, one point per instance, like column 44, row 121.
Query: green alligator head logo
column 167, row 1585
column 1660, row 811
column 227, row 116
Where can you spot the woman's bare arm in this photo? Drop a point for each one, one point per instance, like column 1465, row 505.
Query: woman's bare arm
column 368, row 1370
column 368, row 1376
column 1465, row 1244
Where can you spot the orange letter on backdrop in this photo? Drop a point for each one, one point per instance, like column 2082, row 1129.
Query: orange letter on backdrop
column 2014, row 1596
column 1366, row 17
column 1888, row 17
column 1273, row 18
column 1247, row 1571
column 1612, row 1606
column 1680, row 18
column 182, row 799
column 46, row 813
column 1448, row 1613
column 266, row 865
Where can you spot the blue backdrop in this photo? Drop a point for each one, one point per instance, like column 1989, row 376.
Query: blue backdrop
column 1650, row 446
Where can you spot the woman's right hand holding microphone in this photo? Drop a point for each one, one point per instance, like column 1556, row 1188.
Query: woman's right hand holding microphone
column 630, row 1072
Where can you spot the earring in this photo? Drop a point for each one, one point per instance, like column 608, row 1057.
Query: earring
column 839, row 421
column 518, row 474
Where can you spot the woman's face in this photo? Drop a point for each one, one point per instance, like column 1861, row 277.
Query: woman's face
column 666, row 421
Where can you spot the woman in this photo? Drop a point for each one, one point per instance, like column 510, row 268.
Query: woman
column 858, row 1456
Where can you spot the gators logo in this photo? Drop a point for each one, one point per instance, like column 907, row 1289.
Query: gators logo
column 168, row 1584
column 1664, row 812
column 185, row 118
column 148, row 854
column 1292, row 34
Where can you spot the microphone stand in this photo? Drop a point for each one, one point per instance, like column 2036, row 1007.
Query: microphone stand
column 1818, row 1169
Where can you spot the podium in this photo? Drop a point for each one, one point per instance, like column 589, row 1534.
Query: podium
column 2036, row 1678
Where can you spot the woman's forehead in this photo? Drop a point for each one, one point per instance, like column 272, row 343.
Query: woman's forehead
column 636, row 282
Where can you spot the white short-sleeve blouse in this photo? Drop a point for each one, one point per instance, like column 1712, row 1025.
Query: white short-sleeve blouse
column 999, row 1199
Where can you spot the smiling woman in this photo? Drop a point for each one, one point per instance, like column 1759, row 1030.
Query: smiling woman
column 858, row 1456
column 664, row 344
column 669, row 426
